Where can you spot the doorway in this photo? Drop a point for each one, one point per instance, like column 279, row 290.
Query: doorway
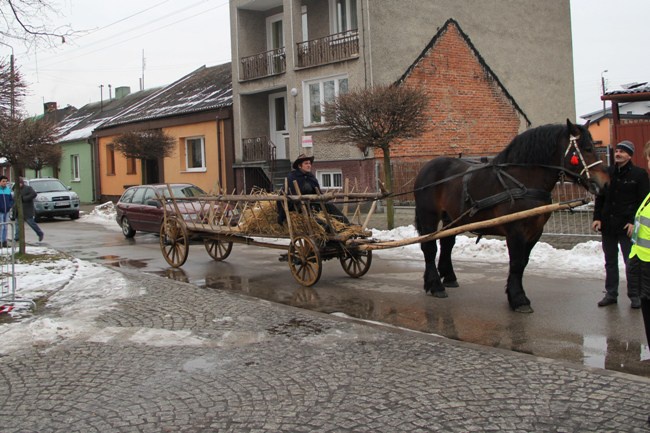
column 278, row 123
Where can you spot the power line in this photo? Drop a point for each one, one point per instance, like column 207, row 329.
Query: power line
column 59, row 59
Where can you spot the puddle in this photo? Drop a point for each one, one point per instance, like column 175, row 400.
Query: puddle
column 118, row 262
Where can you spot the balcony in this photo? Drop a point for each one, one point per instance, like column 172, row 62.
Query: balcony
column 258, row 149
column 262, row 65
column 330, row 49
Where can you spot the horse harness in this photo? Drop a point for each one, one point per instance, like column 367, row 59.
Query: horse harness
column 520, row 191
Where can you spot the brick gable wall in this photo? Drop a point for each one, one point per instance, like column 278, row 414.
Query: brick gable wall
column 469, row 111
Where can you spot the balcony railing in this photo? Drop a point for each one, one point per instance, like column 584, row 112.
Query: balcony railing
column 330, row 49
column 264, row 64
column 258, row 149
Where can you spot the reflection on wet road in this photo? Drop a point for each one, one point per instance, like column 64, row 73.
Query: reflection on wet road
column 567, row 325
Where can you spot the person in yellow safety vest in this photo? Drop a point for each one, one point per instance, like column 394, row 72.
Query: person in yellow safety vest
column 638, row 268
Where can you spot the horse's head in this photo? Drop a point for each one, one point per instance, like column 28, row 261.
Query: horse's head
column 581, row 159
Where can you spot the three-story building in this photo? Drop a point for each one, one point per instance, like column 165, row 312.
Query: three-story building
column 291, row 56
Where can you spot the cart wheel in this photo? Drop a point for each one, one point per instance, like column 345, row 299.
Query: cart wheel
column 218, row 250
column 174, row 242
column 356, row 263
column 304, row 261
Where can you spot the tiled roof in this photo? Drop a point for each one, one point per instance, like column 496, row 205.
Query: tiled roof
column 207, row 88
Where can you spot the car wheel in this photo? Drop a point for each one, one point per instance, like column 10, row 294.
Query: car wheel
column 74, row 216
column 127, row 230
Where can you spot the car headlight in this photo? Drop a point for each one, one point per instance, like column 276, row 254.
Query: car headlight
column 74, row 196
column 41, row 198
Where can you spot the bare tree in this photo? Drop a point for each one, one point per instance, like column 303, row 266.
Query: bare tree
column 12, row 88
column 378, row 117
column 149, row 144
column 30, row 22
column 24, row 142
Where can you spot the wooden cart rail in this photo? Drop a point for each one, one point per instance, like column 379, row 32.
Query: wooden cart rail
column 255, row 214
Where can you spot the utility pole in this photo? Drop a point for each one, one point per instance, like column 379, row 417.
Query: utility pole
column 602, row 84
column 143, row 66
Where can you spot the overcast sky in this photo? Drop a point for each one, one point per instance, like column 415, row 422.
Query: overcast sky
column 177, row 37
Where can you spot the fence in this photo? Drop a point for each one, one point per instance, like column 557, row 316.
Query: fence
column 7, row 266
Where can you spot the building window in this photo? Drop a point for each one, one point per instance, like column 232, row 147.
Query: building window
column 320, row 92
column 74, row 164
column 343, row 15
column 131, row 165
column 110, row 160
column 194, row 154
column 330, row 179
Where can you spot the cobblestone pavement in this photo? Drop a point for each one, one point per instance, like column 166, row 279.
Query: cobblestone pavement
column 177, row 358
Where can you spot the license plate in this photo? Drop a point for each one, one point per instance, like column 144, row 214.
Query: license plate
column 62, row 204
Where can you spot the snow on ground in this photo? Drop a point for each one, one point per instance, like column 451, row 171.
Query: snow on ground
column 78, row 292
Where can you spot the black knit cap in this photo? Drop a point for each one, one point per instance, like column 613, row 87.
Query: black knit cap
column 627, row 146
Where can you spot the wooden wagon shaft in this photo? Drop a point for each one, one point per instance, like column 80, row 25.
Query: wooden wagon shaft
column 270, row 197
column 467, row 227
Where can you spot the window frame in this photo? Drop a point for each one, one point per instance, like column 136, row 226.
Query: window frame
column 203, row 166
column 131, row 166
column 75, row 167
column 110, row 160
column 307, row 100
column 320, row 175
column 336, row 26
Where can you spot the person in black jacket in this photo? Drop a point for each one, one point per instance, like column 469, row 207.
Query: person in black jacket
column 614, row 217
column 28, row 195
column 308, row 184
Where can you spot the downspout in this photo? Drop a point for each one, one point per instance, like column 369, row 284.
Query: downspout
column 369, row 43
column 220, row 179
column 92, row 141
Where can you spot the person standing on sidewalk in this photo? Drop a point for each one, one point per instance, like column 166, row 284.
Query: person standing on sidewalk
column 28, row 195
column 614, row 217
column 6, row 203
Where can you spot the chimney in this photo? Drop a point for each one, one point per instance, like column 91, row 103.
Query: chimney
column 121, row 92
column 49, row 107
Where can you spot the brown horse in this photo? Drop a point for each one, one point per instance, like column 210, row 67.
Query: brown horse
column 521, row 177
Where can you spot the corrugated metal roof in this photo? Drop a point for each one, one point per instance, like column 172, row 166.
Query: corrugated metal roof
column 641, row 88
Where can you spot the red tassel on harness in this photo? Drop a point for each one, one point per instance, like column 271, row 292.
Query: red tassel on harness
column 574, row 160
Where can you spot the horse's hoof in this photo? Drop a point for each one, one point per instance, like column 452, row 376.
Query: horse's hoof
column 524, row 309
column 450, row 283
column 439, row 294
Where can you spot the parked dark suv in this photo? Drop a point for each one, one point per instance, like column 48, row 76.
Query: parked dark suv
column 53, row 199
column 139, row 208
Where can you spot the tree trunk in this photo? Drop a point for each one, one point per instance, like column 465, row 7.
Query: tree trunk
column 19, row 222
column 388, row 177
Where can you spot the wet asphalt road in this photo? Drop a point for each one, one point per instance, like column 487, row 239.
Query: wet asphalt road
column 567, row 325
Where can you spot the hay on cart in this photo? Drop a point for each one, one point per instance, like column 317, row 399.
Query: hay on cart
column 261, row 217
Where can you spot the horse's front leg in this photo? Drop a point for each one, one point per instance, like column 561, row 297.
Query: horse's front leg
column 519, row 251
column 432, row 282
column 445, row 265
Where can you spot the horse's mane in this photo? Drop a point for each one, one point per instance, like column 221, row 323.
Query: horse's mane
column 534, row 146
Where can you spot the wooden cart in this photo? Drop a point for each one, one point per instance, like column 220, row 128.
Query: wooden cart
column 309, row 236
